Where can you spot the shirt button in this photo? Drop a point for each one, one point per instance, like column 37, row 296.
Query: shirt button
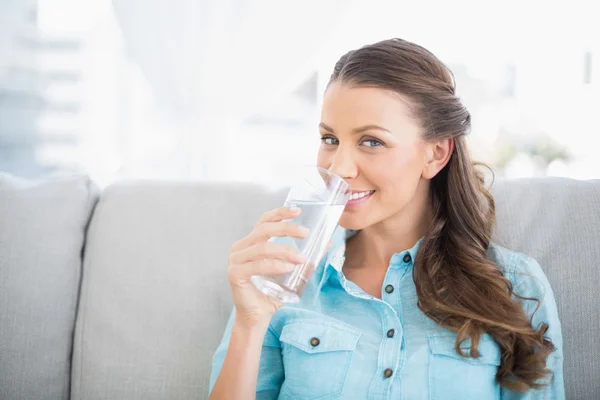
column 390, row 333
column 389, row 289
column 407, row 258
column 314, row 342
column 387, row 373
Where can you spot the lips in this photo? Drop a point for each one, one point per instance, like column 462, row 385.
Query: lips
column 358, row 198
column 357, row 195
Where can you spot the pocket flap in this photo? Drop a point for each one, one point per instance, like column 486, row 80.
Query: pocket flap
column 328, row 337
column 489, row 350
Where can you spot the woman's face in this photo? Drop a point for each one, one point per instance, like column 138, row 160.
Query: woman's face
column 370, row 139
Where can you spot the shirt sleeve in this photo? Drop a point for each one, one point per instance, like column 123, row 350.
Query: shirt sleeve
column 270, row 373
column 530, row 281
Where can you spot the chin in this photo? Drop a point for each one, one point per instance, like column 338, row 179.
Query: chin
column 352, row 223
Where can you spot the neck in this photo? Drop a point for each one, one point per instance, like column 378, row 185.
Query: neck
column 376, row 244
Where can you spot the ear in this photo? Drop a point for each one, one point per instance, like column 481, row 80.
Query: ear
column 437, row 155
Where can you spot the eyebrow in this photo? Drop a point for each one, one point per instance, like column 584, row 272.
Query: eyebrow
column 356, row 130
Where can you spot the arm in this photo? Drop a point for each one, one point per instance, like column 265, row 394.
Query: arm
column 530, row 281
column 247, row 364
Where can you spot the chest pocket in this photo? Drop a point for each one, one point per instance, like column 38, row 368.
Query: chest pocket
column 454, row 377
column 316, row 359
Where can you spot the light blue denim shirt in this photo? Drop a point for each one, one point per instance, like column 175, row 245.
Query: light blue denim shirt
column 340, row 342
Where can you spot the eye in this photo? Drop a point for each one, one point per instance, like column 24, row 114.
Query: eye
column 373, row 143
column 329, row 140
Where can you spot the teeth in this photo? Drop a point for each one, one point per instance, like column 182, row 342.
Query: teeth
column 355, row 196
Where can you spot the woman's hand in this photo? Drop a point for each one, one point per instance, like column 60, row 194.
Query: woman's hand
column 255, row 255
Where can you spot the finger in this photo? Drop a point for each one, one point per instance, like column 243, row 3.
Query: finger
column 271, row 229
column 279, row 214
column 267, row 250
column 276, row 215
column 276, row 229
column 265, row 267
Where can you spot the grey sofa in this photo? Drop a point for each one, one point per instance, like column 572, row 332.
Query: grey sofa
column 123, row 294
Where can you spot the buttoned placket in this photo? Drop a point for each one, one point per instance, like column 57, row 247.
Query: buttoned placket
column 391, row 353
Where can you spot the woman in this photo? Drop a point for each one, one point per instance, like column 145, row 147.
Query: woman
column 412, row 301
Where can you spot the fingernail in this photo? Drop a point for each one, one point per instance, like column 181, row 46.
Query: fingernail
column 295, row 210
column 304, row 230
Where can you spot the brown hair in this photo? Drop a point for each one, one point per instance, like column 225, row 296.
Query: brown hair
column 458, row 286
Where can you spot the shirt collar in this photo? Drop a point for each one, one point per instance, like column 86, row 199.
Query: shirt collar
column 335, row 258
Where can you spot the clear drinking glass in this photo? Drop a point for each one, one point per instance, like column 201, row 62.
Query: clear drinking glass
column 322, row 196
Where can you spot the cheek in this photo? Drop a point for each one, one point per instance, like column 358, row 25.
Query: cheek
column 323, row 159
column 399, row 172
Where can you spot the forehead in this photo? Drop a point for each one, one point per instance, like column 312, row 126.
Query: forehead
column 348, row 105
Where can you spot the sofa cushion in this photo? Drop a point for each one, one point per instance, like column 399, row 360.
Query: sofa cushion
column 557, row 222
column 155, row 294
column 42, row 228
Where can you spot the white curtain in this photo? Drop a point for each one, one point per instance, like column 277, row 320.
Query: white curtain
column 213, row 62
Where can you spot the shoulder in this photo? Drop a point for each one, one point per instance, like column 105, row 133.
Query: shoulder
column 514, row 262
column 524, row 272
column 533, row 290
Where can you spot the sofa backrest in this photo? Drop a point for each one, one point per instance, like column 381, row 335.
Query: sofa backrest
column 42, row 233
column 155, row 297
column 557, row 222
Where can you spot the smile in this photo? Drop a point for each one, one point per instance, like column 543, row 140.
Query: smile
column 359, row 198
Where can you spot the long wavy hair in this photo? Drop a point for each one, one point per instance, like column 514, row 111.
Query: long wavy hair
column 458, row 286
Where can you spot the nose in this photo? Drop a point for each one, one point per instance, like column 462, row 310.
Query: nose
column 343, row 164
